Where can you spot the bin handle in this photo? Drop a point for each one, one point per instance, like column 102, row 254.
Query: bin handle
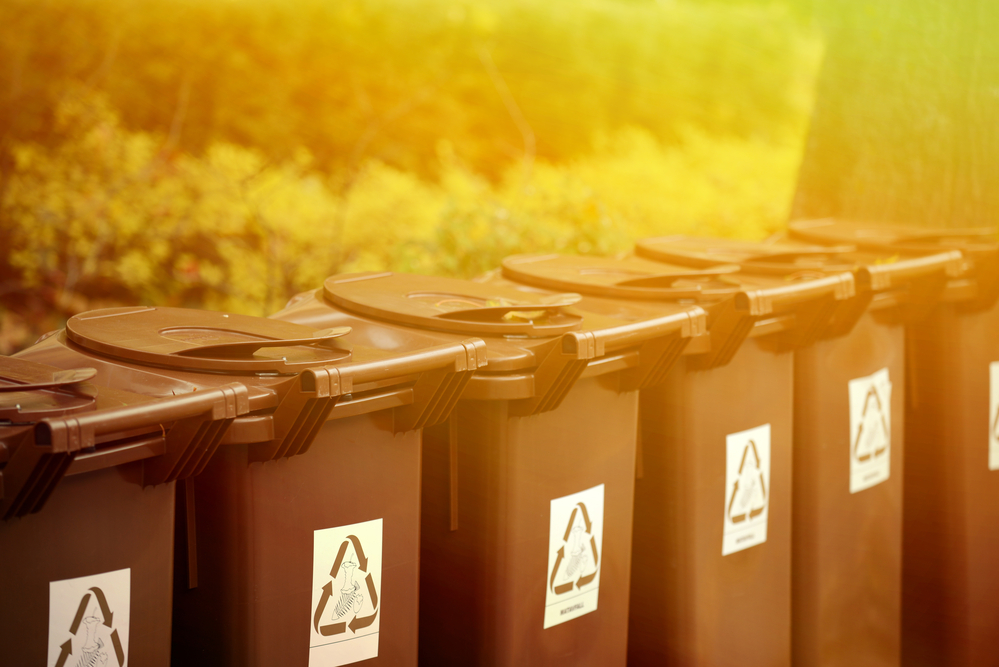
column 244, row 349
column 27, row 382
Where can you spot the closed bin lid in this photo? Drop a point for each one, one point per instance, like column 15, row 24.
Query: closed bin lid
column 972, row 241
column 201, row 340
column 877, row 269
column 632, row 278
column 53, row 423
column 450, row 304
column 637, row 278
column 30, row 391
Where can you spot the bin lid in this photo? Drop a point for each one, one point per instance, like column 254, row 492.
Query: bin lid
column 202, row 340
column 450, row 304
column 899, row 238
column 630, row 278
column 30, row 392
column 782, row 259
column 879, row 268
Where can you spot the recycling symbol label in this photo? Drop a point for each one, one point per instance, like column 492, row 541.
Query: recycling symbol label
column 88, row 620
column 870, row 430
column 346, row 594
column 575, row 540
column 747, row 489
column 994, row 415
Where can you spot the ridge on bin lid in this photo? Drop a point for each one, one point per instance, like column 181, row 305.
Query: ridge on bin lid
column 752, row 256
column 31, row 391
column 203, row 340
column 632, row 278
column 971, row 240
column 451, row 304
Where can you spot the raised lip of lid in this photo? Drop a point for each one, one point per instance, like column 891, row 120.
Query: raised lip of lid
column 512, row 269
column 146, row 336
column 449, row 321
column 30, row 377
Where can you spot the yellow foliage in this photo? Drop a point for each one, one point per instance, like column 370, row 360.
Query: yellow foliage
column 118, row 213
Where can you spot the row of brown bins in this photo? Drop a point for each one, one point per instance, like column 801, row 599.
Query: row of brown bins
column 707, row 453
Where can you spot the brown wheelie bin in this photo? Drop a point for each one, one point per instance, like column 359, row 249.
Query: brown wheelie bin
column 711, row 569
column 950, row 582
column 527, row 498
column 849, row 389
column 87, row 509
column 299, row 537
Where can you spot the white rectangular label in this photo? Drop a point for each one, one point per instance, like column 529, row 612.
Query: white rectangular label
column 870, row 430
column 994, row 415
column 575, row 546
column 747, row 489
column 88, row 620
column 346, row 594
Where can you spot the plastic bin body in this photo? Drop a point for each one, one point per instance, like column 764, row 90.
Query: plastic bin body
column 951, row 582
column 94, row 523
column 697, row 597
column 847, row 531
column 485, row 582
column 552, row 415
column 332, row 441
column 847, row 546
column 255, row 533
column 950, row 546
column 86, row 542
column 690, row 604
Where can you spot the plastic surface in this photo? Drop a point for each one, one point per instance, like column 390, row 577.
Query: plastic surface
column 77, row 501
column 949, row 582
column 735, row 300
column 330, row 436
column 547, row 418
column 846, row 540
column 204, row 340
column 691, row 605
column 875, row 268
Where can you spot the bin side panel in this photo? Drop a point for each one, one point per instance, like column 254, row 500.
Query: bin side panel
column 847, row 547
column 690, row 604
column 951, row 545
column 483, row 587
column 94, row 523
column 256, row 532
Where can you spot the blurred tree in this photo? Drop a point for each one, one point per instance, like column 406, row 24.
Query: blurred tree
column 904, row 128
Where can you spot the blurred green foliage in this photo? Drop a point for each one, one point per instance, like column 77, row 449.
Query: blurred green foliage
column 227, row 154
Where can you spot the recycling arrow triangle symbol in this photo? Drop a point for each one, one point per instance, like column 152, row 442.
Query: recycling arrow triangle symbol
column 872, row 436
column 350, row 597
column 582, row 547
column 749, row 493
column 91, row 648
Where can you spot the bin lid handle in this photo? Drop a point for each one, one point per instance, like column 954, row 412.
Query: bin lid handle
column 245, row 349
